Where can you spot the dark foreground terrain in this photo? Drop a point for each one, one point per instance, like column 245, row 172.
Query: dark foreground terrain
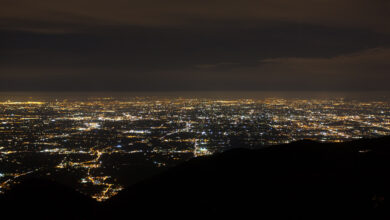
column 303, row 179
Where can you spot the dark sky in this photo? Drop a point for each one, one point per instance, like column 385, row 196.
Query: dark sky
column 156, row 45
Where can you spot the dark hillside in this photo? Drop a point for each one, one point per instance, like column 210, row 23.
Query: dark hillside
column 303, row 179
column 44, row 199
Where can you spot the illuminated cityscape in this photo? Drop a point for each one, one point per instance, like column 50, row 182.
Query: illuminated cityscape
column 102, row 144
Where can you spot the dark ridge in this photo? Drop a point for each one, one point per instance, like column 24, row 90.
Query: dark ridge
column 304, row 180
column 45, row 199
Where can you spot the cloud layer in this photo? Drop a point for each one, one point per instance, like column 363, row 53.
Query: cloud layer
column 373, row 14
column 194, row 45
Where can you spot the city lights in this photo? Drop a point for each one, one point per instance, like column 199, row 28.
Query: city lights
column 98, row 140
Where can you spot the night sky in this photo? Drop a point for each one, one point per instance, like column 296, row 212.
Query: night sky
column 172, row 45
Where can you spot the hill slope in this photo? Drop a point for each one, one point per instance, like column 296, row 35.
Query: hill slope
column 45, row 199
column 302, row 179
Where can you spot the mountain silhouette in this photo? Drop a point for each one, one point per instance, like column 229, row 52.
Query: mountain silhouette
column 45, row 199
column 303, row 179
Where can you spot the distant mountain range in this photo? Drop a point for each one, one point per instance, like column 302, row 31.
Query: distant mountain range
column 304, row 180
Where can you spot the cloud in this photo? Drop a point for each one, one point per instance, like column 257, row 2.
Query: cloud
column 199, row 44
column 215, row 65
column 364, row 70
column 373, row 61
column 374, row 14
